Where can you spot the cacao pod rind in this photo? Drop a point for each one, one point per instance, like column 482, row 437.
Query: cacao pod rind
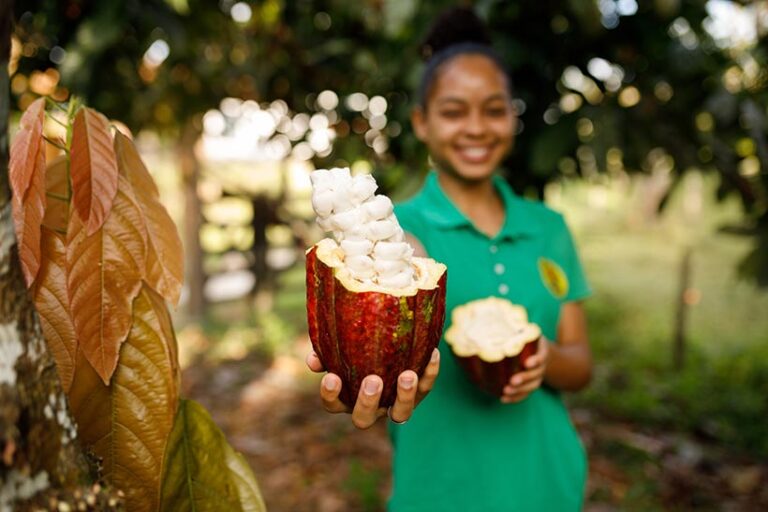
column 492, row 377
column 363, row 333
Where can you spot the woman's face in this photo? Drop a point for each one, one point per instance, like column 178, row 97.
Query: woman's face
column 468, row 123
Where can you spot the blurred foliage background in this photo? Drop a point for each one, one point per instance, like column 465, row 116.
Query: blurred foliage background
column 644, row 122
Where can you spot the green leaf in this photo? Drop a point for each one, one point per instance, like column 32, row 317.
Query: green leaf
column 202, row 471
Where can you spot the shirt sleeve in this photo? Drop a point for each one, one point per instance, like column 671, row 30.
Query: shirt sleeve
column 578, row 286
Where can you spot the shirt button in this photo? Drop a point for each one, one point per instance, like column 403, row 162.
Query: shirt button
column 503, row 289
column 498, row 268
column 494, row 249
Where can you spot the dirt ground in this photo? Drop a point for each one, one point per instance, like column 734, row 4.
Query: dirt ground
column 308, row 460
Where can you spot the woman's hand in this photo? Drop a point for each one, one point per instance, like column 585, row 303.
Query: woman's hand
column 524, row 383
column 410, row 391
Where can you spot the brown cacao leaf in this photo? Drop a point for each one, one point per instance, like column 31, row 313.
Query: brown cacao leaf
column 202, row 472
column 28, row 143
column 57, row 189
column 28, row 218
column 93, row 168
column 104, row 273
column 127, row 423
column 52, row 304
column 165, row 255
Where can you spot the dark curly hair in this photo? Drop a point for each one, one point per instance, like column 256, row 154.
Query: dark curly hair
column 457, row 31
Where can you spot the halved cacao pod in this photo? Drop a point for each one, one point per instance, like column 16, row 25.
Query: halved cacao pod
column 492, row 377
column 358, row 330
column 491, row 339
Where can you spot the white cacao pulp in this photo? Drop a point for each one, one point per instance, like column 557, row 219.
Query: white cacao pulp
column 492, row 328
column 370, row 242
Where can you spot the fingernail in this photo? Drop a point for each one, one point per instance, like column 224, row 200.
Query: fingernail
column 406, row 382
column 435, row 356
column 330, row 384
column 371, row 387
column 516, row 381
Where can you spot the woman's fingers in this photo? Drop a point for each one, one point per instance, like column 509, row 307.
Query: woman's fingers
column 522, row 378
column 330, row 387
column 410, row 390
column 519, row 393
column 427, row 379
column 522, row 384
column 366, row 410
column 540, row 356
column 402, row 409
column 313, row 362
column 534, row 361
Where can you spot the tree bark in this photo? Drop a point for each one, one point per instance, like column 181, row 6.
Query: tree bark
column 41, row 461
column 190, row 169
column 679, row 345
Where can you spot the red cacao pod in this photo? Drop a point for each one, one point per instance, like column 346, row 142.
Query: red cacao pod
column 491, row 339
column 357, row 333
column 492, row 377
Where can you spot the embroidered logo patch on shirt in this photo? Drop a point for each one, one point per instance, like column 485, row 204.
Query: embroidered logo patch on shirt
column 553, row 277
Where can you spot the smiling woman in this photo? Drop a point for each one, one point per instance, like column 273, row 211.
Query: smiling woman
column 469, row 122
column 465, row 449
column 479, row 452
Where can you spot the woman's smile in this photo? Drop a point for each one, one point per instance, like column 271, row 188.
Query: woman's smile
column 468, row 122
column 475, row 154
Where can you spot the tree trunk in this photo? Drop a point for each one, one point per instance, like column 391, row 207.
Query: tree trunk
column 190, row 168
column 42, row 464
column 679, row 346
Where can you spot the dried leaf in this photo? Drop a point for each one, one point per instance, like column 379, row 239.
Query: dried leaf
column 52, row 304
column 203, row 473
column 127, row 424
column 26, row 147
column 28, row 218
column 104, row 272
column 165, row 258
column 57, row 189
column 93, row 168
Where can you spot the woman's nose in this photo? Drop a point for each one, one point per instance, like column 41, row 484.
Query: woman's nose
column 475, row 124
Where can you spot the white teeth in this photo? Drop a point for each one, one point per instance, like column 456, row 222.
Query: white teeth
column 475, row 152
column 372, row 243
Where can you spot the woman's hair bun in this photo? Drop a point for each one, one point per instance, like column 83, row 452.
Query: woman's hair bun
column 454, row 26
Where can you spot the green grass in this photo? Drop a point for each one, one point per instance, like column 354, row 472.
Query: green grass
column 635, row 272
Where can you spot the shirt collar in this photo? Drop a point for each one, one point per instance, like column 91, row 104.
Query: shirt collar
column 441, row 211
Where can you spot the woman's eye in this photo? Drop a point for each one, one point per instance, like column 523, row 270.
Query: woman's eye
column 497, row 112
column 451, row 114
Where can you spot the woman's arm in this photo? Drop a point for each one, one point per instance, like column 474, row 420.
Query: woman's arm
column 569, row 365
column 565, row 365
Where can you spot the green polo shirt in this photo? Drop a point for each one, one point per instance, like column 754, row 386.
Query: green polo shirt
column 463, row 450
